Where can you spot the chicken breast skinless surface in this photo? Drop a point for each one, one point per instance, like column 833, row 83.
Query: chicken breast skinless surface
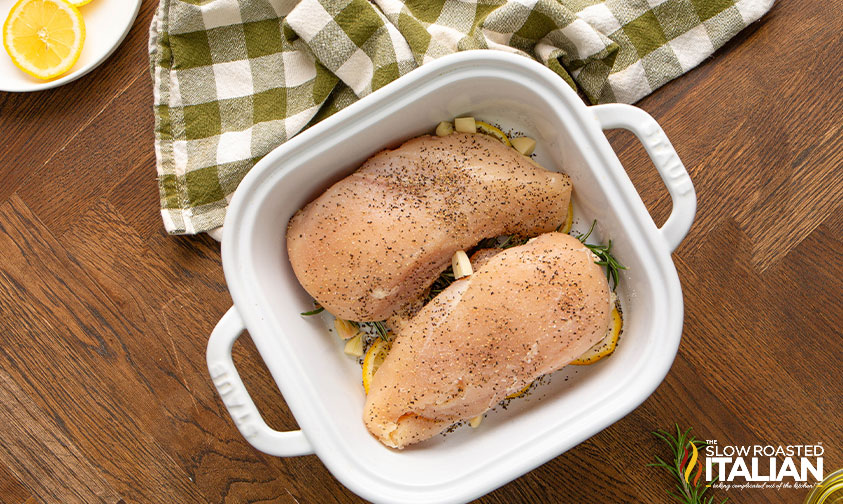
column 526, row 311
column 376, row 240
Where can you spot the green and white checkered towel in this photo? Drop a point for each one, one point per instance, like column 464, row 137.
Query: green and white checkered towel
column 236, row 78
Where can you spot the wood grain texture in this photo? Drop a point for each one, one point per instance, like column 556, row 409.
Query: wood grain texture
column 104, row 392
column 51, row 462
column 38, row 125
column 12, row 490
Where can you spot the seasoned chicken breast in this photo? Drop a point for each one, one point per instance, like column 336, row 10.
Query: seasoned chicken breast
column 527, row 311
column 376, row 240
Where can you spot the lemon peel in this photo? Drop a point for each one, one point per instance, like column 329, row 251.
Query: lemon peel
column 604, row 347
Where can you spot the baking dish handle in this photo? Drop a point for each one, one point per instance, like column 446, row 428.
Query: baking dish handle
column 667, row 162
column 236, row 398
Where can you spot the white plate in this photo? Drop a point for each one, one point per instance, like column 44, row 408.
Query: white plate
column 106, row 24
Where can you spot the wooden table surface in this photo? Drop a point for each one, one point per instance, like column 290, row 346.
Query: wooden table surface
column 104, row 318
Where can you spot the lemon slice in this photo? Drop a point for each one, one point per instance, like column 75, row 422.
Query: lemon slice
column 604, row 347
column 569, row 219
column 373, row 360
column 78, row 3
column 488, row 129
column 520, row 392
column 44, row 37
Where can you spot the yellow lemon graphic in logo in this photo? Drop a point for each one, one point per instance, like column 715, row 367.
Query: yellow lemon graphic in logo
column 691, row 463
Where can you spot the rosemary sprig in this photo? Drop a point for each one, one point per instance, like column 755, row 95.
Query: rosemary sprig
column 379, row 327
column 502, row 242
column 316, row 311
column 512, row 241
column 447, row 277
column 441, row 283
column 691, row 491
column 604, row 254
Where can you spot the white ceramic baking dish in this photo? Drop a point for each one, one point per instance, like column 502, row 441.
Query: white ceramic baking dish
column 322, row 385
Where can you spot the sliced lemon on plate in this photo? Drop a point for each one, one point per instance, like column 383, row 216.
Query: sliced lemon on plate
column 604, row 347
column 373, row 360
column 488, row 129
column 44, row 37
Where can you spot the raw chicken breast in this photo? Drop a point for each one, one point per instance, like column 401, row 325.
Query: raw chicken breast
column 376, row 240
column 527, row 311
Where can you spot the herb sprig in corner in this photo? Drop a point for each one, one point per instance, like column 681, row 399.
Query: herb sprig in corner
column 684, row 448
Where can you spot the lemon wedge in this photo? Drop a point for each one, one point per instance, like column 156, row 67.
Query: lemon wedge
column 488, row 129
column 44, row 37
column 373, row 360
column 604, row 347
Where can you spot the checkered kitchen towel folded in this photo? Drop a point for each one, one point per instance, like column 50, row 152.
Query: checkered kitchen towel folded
column 236, row 78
